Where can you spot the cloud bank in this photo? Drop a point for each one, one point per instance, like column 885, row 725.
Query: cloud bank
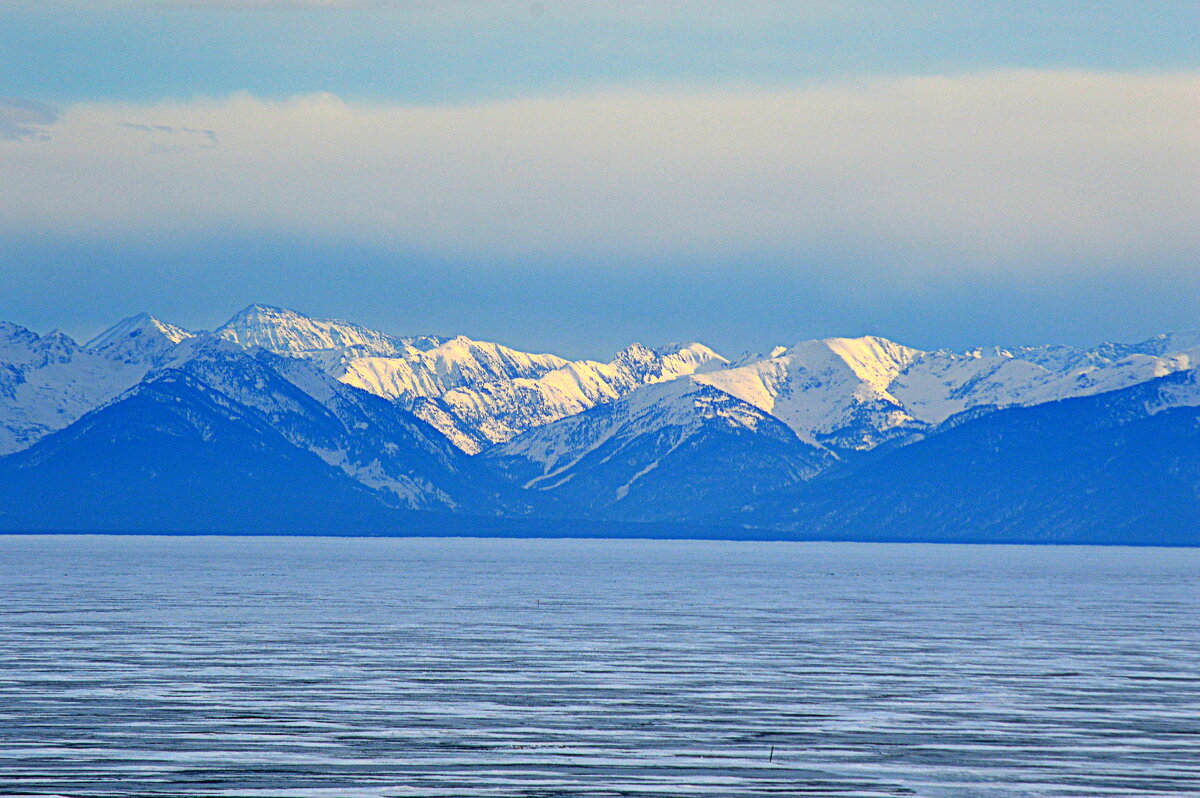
column 1016, row 169
column 21, row 119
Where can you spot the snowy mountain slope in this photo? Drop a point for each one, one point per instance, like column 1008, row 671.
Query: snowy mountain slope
column 287, row 332
column 415, row 372
column 674, row 433
column 847, row 394
column 457, row 363
column 373, row 441
column 421, row 381
column 138, row 339
column 941, row 385
column 1116, row 467
column 667, row 450
column 473, row 392
column 505, row 409
column 854, row 394
column 497, row 411
column 171, row 454
column 47, row 382
column 831, row 392
column 1164, row 344
column 487, row 394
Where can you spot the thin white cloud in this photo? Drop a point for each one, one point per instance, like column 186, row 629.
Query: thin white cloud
column 1028, row 167
column 21, row 119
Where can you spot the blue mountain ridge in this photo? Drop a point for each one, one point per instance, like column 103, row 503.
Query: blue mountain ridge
column 667, row 452
column 175, row 455
column 1109, row 468
column 222, row 436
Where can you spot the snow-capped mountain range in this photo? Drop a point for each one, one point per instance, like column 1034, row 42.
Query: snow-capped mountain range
column 49, row 381
column 454, row 424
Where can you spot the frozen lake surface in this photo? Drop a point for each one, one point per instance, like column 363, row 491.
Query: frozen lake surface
column 282, row 667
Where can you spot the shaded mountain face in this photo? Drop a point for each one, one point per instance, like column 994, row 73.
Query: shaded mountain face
column 1118, row 467
column 175, row 455
column 47, row 382
column 673, row 450
column 223, row 416
column 373, row 441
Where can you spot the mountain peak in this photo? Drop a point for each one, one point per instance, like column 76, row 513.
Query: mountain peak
column 678, row 347
column 144, row 322
column 19, row 345
column 259, row 313
column 260, row 310
column 635, row 353
column 11, row 331
column 289, row 332
column 138, row 338
column 1170, row 343
column 871, row 358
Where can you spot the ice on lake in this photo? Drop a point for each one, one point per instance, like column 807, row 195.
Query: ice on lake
column 454, row 667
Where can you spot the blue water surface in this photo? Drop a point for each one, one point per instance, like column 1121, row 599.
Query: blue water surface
column 223, row 666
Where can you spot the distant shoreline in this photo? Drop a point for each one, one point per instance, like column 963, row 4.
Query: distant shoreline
column 717, row 535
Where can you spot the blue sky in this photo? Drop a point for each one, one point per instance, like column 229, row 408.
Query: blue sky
column 431, row 52
column 573, row 176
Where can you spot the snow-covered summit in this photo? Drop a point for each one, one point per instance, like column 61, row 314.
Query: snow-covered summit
column 23, row 347
column 1169, row 343
column 833, row 390
column 842, row 393
column 481, row 393
column 667, row 361
column 855, row 393
column 288, row 332
column 457, row 363
column 49, row 381
column 138, row 339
